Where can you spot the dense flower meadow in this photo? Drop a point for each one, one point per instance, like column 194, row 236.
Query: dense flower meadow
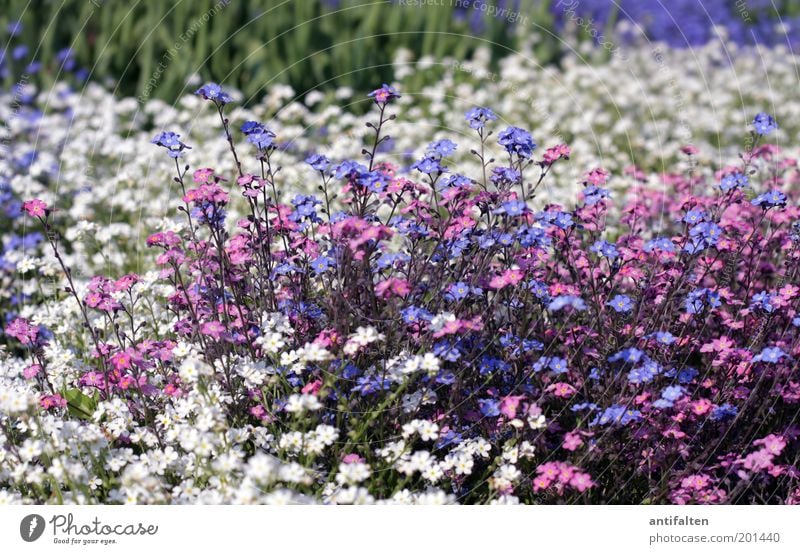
column 361, row 329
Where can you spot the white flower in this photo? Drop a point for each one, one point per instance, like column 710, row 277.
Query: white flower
column 272, row 343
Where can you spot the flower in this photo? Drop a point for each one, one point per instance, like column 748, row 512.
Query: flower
column 384, row 95
column 621, row 303
column 35, row 208
column 764, row 123
column 318, row 162
column 736, row 180
column 770, row 199
column 213, row 92
column 171, row 141
column 517, row 141
column 477, row 117
column 770, row 354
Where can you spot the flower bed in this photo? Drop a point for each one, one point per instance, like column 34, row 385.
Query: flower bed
column 445, row 335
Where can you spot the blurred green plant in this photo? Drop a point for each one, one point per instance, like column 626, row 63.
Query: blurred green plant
column 149, row 48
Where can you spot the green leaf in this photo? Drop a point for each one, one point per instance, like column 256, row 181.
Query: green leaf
column 80, row 405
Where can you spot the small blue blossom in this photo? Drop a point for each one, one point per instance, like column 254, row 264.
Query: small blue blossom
column 723, row 412
column 770, row 355
column 628, row 355
column 593, row 194
column 213, row 92
column 770, row 199
column 557, row 365
column 477, row 117
column 605, row 249
column 517, row 141
column 764, row 123
column 171, row 141
column 621, row 303
column 662, row 337
column 489, row 407
column 441, row 148
column 318, row 162
column 561, row 302
column 733, row 181
column 693, row 217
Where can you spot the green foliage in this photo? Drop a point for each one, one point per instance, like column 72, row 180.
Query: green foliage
column 149, row 48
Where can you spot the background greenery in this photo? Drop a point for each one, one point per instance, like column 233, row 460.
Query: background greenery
column 249, row 45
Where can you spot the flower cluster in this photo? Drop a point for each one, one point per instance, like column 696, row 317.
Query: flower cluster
column 430, row 335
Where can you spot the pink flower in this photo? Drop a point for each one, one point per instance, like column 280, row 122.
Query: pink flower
column 774, row 444
column 213, row 329
column 758, row 460
column 509, row 405
column 598, row 176
column 31, row 371
column 561, row 390
column 35, row 208
column 23, row 331
column 312, row 387
column 572, row 441
column 392, row 287
column 352, row 459
column 555, row 153
column 52, row 401
column 581, row 482
column 702, row 406
column 508, row 277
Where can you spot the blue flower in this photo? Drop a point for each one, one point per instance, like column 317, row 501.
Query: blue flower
column 616, row 415
column 249, row 127
column 512, row 208
column 171, row 141
column 763, row 300
column 429, row 165
column 213, row 92
column 770, row 199
column 442, row 148
column 725, row 411
column 593, row 194
column 627, row 355
column 706, row 231
column 764, row 123
column 694, row 216
column 454, row 181
column 770, row 355
column 375, row 181
column 14, row 27
column 644, row 373
column 621, row 303
column 458, row 291
column 561, row 302
column 700, row 299
column 318, row 162
column 503, row 176
column 663, row 337
column 413, row 314
column 517, row 141
column 557, row 365
column 321, row 264
column 659, row 243
column 477, row 117
column 673, row 393
column 732, row 181
column 348, row 169
column 605, row 248
column 489, row 407
column 263, row 140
